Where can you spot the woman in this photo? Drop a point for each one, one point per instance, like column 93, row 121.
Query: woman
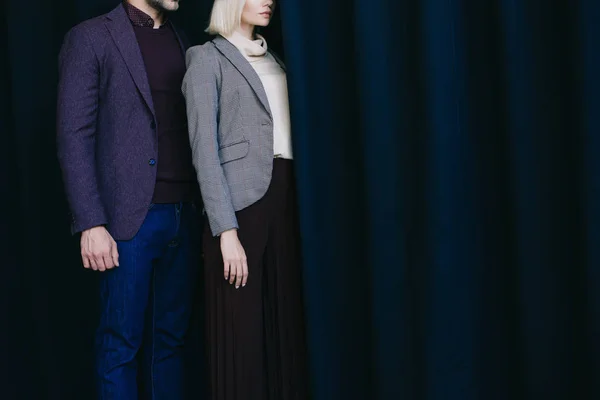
column 238, row 116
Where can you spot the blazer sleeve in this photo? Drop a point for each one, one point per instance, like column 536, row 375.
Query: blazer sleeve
column 201, row 91
column 77, row 107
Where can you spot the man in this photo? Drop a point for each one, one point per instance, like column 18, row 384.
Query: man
column 124, row 152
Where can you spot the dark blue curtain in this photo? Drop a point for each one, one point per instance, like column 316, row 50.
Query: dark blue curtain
column 449, row 182
column 449, row 174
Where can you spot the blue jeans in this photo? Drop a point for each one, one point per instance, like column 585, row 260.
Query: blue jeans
column 147, row 300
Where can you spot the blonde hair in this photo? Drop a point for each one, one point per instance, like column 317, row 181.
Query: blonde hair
column 225, row 17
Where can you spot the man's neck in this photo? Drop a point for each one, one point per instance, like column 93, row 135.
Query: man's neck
column 157, row 15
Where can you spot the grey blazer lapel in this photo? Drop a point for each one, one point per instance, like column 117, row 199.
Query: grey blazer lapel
column 122, row 33
column 241, row 64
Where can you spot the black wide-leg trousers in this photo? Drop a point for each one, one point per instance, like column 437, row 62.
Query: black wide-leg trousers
column 255, row 334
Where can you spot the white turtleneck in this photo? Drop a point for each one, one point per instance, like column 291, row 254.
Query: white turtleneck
column 274, row 81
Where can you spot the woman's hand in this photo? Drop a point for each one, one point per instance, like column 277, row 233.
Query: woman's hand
column 235, row 264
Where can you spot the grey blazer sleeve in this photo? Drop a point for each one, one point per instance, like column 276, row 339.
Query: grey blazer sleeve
column 201, row 91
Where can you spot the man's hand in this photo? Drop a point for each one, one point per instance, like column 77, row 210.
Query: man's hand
column 235, row 264
column 98, row 249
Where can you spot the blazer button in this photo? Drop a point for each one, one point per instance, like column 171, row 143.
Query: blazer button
column 152, row 161
column 153, row 125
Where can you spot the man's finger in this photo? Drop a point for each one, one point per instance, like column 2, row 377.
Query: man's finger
column 86, row 261
column 108, row 261
column 100, row 263
column 115, row 254
column 93, row 264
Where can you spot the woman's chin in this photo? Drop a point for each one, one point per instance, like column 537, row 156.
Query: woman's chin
column 263, row 22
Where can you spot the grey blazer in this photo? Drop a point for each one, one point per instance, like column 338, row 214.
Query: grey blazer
column 230, row 128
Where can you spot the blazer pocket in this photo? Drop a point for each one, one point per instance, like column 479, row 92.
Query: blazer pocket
column 234, row 151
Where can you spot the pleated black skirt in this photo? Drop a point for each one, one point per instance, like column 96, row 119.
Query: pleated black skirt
column 255, row 335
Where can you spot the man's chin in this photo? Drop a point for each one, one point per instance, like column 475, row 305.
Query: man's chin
column 165, row 5
column 172, row 6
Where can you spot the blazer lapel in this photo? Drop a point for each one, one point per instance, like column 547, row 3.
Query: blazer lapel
column 243, row 66
column 183, row 42
column 278, row 59
column 122, row 33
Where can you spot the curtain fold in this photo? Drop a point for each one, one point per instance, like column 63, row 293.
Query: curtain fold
column 454, row 259
column 589, row 83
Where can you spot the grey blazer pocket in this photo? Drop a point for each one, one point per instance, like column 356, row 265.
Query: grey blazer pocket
column 234, row 151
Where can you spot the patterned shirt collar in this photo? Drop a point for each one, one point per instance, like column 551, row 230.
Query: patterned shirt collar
column 138, row 17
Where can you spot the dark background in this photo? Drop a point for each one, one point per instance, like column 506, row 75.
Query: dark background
column 449, row 183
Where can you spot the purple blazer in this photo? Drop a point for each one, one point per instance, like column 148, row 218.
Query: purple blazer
column 106, row 126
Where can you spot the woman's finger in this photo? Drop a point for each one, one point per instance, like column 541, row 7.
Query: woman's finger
column 240, row 275
column 232, row 272
column 244, row 272
column 226, row 270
